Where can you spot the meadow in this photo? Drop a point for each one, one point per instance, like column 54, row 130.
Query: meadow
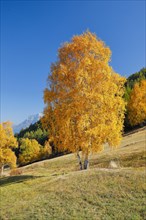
column 56, row 189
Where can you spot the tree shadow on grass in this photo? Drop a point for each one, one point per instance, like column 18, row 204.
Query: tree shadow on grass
column 16, row 179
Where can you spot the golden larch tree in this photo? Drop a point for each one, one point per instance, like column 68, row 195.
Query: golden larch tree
column 84, row 104
column 137, row 104
column 7, row 143
column 29, row 151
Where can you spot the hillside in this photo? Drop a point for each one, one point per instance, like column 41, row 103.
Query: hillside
column 56, row 189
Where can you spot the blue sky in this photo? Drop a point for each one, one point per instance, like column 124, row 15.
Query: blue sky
column 32, row 31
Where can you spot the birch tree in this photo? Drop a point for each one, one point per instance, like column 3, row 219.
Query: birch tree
column 84, row 104
column 7, row 143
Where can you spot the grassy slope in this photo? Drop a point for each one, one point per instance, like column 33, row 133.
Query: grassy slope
column 55, row 189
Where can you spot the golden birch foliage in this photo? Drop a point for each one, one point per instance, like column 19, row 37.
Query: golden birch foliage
column 29, row 151
column 7, row 143
column 137, row 104
column 84, row 105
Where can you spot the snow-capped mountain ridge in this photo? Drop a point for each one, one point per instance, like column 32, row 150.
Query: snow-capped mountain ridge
column 27, row 122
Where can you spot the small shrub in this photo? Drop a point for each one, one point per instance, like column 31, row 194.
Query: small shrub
column 15, row 172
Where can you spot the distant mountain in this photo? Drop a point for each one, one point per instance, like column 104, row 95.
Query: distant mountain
column 26, row 123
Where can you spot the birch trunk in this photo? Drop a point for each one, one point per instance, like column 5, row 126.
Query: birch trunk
column 2, row 170
column 86, row 163
column 80, row 162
